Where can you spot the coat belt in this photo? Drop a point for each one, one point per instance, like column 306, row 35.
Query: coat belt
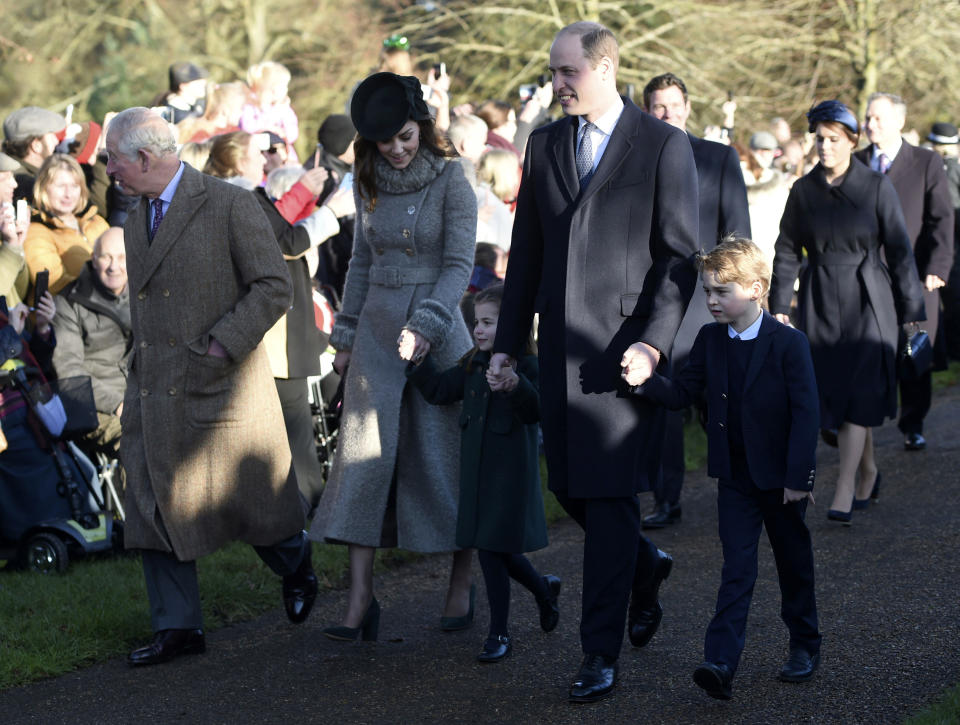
column 831, row 259
column 400, row 276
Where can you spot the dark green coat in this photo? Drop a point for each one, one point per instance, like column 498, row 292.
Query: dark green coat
column 501, row 508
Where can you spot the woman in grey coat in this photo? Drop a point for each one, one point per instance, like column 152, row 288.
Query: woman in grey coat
column 395, row 478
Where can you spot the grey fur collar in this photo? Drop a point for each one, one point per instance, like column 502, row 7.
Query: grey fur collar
column 424, row 168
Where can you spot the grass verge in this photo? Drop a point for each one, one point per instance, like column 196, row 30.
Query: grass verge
column 945, row 711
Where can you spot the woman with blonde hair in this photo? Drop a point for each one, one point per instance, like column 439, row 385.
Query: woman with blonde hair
column 65, row 224
column 499, row 170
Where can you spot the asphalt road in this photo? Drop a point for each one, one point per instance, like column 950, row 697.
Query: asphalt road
column 889, row 600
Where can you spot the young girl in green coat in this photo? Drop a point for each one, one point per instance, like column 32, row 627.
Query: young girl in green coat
column 501, row 509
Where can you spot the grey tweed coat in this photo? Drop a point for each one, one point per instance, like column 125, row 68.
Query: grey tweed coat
column 412, row 258
column 204, row 445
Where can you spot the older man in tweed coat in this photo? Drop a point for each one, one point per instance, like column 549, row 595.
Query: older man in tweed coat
column 204, row 444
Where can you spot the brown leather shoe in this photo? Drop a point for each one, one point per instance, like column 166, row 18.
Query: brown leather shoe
column 167, row 644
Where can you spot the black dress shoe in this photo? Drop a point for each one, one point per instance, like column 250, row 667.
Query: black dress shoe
column 167, row 644
column 664, row 515
column 800, row 666
column 549, row 610
column 914, row 442
column 595, row 680
column 841, row 517
column 645, row 612
column 716, row 680
column 300, row 591
column 862, row 504
column 494, row 649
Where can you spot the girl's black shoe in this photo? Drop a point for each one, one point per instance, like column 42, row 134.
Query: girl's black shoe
column 494, row 649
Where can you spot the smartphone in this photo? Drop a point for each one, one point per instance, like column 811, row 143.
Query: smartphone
column 4, row 310
column 347, row 181
column 729, row 95
column 526, row 91
column 543, row 80
column 630, row 91
column 439, row 69
column 23, row 210
column 40, row 286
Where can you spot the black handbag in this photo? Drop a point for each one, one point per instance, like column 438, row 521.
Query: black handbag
column 916, row 358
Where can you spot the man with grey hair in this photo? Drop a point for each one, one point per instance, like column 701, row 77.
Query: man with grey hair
column 921, row 183
column 204, row 444
column 605, row 230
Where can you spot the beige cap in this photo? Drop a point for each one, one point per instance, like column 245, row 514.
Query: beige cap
column 32, row 121
column 8, row 163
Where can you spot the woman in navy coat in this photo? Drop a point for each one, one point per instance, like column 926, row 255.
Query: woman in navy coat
column 847, row 219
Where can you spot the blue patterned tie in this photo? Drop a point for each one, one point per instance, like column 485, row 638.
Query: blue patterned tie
column 585, row 154
column 157, row 217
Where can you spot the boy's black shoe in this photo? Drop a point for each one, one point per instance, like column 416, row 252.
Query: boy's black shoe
column 664, row 515
column 800, row 666
column 716, row 680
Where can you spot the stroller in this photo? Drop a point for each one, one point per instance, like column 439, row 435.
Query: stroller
column 51, row 505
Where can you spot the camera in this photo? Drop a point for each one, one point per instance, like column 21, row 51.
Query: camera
column 528, row 89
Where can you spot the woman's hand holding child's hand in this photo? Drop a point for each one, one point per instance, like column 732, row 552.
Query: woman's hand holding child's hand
column 412, row 346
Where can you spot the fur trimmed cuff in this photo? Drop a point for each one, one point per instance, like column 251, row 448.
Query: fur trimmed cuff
column 433, row 321
column 344, row 332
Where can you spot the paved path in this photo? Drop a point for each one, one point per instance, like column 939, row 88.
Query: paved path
column 889, row 598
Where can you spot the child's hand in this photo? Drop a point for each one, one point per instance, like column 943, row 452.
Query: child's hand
column 791, row 495
column 505, row 382
column 499, row 370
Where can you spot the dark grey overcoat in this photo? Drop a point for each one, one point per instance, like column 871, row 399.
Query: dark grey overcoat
column 605, row 268
column 204, row 444
column 851, row 301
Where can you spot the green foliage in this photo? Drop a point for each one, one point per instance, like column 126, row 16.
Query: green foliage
column 946, row 711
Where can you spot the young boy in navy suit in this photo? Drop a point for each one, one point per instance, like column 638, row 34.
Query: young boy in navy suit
column 762, row 423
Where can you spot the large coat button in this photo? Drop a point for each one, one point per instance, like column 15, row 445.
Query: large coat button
column 408, row 252
column 144, row 392
column 406, row 233
column 172, row 391
column 165, row 293
column 144, row 345
column 141, row 295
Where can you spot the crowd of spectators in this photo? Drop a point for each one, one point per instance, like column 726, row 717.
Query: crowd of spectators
column 60, row 212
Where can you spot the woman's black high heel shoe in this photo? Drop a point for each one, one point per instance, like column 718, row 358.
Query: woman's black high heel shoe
column 863, row 503
column 455, row 624
column 368, row 629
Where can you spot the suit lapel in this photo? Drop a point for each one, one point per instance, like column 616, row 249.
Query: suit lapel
column 135, row 234
column 618, row 147
column 760, row 349
column 564, row 156
column 190, row 196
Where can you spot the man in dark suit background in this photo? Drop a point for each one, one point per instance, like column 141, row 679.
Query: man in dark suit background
column 723, row 211
column 605, row 230
column 921, row 183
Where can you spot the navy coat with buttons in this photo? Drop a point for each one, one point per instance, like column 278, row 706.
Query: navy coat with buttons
column 780, row 413
column 501, row 507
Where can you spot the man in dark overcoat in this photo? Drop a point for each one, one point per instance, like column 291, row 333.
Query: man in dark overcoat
column 203, row 445
column 605, row 231
column 921, row 183
column 723, row 211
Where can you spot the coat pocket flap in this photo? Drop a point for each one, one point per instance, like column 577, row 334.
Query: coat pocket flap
column 635, row 304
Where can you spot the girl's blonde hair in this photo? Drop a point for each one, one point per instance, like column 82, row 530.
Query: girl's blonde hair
column 53, row 164
column 737, row 259
column 267, row 73
column 500, row 169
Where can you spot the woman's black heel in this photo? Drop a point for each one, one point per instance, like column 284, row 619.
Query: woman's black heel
column 368, row 629
column 863, row 503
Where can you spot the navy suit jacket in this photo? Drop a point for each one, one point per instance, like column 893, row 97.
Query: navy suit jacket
column 780, row 413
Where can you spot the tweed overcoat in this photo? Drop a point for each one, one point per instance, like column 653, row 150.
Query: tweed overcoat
column 412, row 258
column 501, row 507
column 204, row 444
column 852, row 299
column 605, row 267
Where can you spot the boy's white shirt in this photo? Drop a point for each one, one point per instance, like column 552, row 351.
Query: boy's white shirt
column 751, row 332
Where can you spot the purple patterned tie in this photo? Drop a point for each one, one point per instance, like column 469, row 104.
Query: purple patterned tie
column 157, row 217
column 884, row 162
